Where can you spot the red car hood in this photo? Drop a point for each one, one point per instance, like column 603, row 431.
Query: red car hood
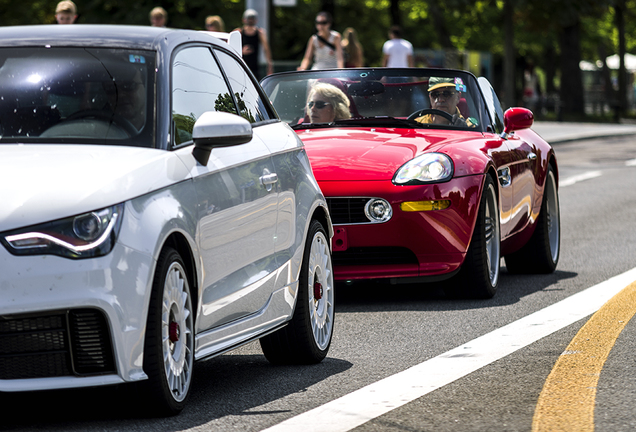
column 370, row 153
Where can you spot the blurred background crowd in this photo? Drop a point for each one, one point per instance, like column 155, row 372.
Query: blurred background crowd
column 566, row 59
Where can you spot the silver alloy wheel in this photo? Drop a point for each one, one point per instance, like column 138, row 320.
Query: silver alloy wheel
column 177, row 332
column 552, row 207
column 321, row 292
column 492, row 237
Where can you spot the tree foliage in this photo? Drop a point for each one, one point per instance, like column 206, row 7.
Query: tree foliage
column 552, row 34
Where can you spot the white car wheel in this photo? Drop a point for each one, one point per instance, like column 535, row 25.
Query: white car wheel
column 307, row 336
column 169, row 346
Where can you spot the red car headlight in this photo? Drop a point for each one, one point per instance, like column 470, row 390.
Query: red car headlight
column 426, row 168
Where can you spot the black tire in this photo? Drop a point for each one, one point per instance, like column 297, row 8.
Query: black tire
column 541, row 253
column 169, row 343
column 479, row 274
column 307, row 336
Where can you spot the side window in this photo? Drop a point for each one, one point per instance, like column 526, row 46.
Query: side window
column 248, row 98
column 197, row 86
column 492, row 105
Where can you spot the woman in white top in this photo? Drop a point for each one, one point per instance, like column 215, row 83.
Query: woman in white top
column 323, row 48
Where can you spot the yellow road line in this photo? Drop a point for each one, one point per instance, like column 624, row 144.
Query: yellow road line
column 567, row 400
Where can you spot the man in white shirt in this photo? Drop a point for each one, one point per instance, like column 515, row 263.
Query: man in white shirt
column 397, row 51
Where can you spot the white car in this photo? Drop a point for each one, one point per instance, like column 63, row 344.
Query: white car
column 155, row 211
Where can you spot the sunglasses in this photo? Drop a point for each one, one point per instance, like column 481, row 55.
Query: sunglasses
column 318, row 104
column 444, row 93
column 322, row 22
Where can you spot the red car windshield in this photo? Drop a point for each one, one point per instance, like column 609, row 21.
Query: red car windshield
column 384, row 97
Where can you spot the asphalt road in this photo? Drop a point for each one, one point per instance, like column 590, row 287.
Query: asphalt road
column 382, row 330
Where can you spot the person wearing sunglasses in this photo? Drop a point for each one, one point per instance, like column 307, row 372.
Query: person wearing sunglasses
column 444, row 95
column 324, row 48
column 327, row 103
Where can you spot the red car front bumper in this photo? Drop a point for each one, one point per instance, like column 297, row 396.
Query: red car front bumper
column 411, row 243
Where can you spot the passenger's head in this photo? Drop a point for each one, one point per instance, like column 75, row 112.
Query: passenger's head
column 395, row 32
column 350, row 35
column 158, row 17
column 66, row 12
column 214, row 23
column 327, row 103
column 250, row 17
column 443, row 94
column 323, row 20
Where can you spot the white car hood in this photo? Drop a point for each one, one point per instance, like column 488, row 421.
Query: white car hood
column 40, row 183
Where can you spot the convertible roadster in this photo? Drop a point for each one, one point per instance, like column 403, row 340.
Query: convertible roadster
column 426, row 178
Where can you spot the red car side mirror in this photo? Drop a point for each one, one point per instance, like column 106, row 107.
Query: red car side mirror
column 516, row 119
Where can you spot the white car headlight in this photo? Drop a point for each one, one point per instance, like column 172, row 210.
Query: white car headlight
column 84, row 236
column 426, row 168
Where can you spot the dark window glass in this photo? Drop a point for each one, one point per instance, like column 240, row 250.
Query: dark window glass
column 197, row 86
column 84, row 95
column 247, row 97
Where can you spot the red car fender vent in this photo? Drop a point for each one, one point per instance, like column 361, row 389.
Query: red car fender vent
column 339, row 240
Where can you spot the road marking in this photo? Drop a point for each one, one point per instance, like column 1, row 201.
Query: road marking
column 374, row 400
column 631, row 162
column 579, row 178
column 567, row 400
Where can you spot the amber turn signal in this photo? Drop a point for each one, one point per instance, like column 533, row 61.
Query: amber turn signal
column 412, row 206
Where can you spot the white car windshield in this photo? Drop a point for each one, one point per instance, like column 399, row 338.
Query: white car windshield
column 76, row 95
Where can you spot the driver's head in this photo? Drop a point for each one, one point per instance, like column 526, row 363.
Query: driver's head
column 327, row 103
column 127, row 94
column 443, row 94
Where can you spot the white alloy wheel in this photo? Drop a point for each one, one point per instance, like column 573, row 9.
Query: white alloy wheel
column 176, row 332
column 321, row 292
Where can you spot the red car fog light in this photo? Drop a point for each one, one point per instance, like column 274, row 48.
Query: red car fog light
column 378, row 210
column 414, row 206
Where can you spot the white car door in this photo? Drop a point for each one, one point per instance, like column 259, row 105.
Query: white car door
column 237, row 200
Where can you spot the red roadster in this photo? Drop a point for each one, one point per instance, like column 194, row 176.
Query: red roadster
column 426, row 177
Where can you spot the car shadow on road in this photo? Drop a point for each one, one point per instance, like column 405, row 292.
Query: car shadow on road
column 381, row 296
column 228, row 385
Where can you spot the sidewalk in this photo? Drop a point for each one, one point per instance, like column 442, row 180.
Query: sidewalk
column 558, row 132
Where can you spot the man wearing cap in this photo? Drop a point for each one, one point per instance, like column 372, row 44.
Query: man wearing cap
column 253, row 37
column 444, row 94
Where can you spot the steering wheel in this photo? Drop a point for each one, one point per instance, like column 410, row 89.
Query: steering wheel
column 434, row 111
column 105, row 116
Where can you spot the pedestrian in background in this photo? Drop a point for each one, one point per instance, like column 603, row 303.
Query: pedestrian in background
column 214, row 23
column 324, row 48
column 397, row 52
column 66, row 12
column 253, row 38
column 352, row 49
column 158, row 17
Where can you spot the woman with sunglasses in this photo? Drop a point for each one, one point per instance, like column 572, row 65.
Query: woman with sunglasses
column 324, row 48
column 327, row 103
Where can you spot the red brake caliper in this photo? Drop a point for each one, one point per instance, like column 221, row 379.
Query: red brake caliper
column 174, row 331
column 317, row 290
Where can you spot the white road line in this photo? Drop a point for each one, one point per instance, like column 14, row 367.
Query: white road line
column 579, row 178
column 631, row 162
column 374, row 400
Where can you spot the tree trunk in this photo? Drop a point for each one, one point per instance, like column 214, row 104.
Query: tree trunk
column 572, row 101
column 439, row 24
column 619, row 9
column 329, row 6
column 396, row 17
column 509, row 98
